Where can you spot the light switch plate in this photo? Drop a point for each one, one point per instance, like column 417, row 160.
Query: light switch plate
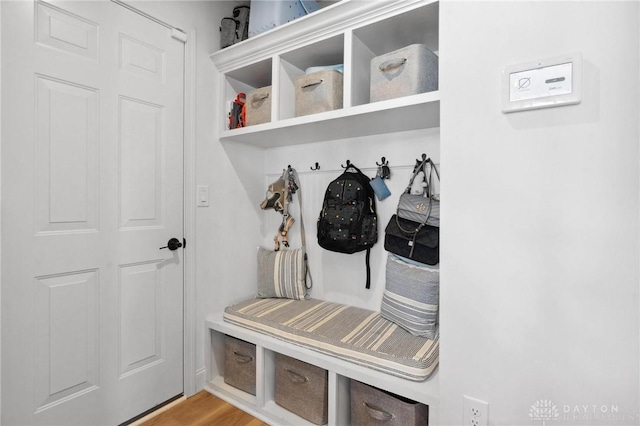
column 203, row 196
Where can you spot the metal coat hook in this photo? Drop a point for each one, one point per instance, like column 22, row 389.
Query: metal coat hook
column 384, row 171
column 317, row 167
column 347, row 166
column 384, row 162
column 419, row 162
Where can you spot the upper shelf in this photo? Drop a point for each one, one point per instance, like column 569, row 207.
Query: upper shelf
column 409, row 113
column 351, row 32
column 332, row 20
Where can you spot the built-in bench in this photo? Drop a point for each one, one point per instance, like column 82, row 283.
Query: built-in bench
column 349, row 342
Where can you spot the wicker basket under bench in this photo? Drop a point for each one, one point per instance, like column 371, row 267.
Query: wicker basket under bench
column 339, row 374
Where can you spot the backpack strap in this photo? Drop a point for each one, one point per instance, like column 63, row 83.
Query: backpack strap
column 368, row 265
column 367, row 260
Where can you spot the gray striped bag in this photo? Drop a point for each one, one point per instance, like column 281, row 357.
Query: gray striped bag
column 281, row 273
column 411, row 297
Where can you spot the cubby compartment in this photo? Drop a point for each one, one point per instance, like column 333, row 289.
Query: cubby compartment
column 295, row 63
column 217, row 371
column 302, row 388
column 245, row 80
column 349, row 33
column 416, row 26
column 240, row 364
column 370, row 405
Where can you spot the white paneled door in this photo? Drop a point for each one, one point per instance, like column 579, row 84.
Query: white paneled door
column 92, row 187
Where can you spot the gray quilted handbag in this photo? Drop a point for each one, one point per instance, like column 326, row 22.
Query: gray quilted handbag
column 423, row 208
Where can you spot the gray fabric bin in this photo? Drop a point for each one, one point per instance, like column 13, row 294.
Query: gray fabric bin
column 318, row 92
column 240, row 364
column 372, row 406
column 258, row 105
column 407, row 71
column 302, row 389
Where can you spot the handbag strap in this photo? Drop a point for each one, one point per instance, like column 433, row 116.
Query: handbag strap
column 432, row 169
column 422, row 166
column 415, row 231
column 293, row 174
column 419, row 167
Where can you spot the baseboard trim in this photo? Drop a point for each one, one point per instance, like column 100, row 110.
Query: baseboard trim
column 201, row 376
column 158, row 411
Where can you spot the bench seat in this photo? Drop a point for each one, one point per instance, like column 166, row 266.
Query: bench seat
column 353, row 334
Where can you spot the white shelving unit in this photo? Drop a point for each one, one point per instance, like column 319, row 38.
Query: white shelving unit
column 351, row 32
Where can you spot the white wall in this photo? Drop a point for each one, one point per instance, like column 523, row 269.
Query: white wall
column 540, row 216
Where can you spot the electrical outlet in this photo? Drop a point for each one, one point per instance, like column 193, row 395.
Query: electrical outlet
column 475, row 412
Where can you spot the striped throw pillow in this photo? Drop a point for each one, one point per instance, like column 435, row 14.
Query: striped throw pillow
column 411, row 297
column 281, row 274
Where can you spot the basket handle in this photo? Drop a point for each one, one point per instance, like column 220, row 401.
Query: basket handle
column 383, row 416
column 256, row 97
column 242, row 359
column 313, row 83
column 295, row 377
column 392, row 63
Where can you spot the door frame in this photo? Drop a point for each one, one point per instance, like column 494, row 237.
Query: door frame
column 189, row 200
column 0, row 206
column 189, row 197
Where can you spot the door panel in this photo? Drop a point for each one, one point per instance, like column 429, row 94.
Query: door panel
column 66, row 144
column 67, row 351
column 92, row 310
column 140, row 325
column 61, row 29
column 141, row 127
column 139, row 58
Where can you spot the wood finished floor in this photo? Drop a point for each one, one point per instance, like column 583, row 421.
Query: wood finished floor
column 203, row 409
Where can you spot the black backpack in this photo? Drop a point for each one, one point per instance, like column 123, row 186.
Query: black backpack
column 348, row 222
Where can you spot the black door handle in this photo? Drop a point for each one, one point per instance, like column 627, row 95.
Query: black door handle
column 172, row 244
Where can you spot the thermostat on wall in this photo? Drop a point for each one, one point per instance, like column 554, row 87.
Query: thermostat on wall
column 542, row 84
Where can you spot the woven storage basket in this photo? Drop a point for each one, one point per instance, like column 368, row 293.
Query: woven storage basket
column 318, row 92
column 371, row 406
column 240, row 364
column 302, row 389
column 258, row 106
column 407, row 71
